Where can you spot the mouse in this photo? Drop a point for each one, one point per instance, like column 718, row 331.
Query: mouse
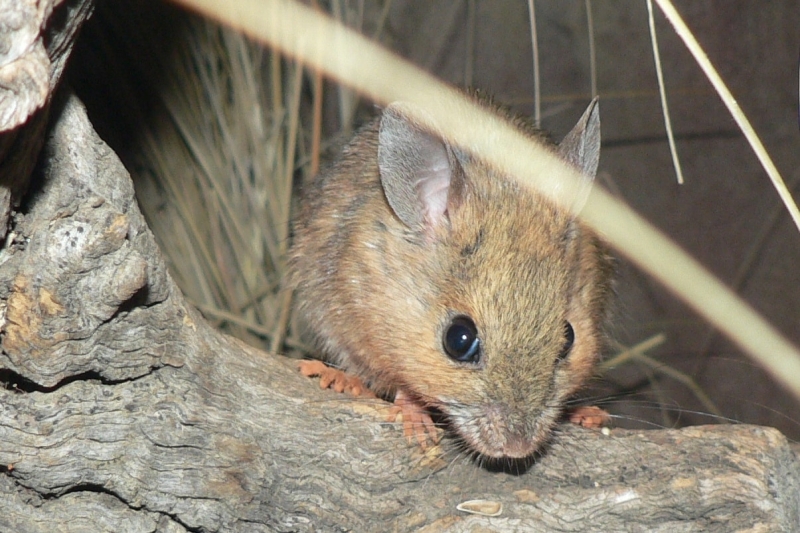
column 429, row 278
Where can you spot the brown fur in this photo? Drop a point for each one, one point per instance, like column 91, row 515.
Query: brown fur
column 378, row 295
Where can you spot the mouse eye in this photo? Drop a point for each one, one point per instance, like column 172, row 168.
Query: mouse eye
column 461, row 342
column 569, row 339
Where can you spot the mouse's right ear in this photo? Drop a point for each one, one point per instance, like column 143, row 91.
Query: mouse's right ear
column 418, row 171
column 581, row 148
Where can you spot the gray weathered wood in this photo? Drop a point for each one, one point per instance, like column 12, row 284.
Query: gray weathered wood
column 36, row 37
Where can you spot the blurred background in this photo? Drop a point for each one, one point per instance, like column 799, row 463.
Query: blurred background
column 218, row 133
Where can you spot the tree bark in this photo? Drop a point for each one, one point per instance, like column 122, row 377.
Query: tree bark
column 36, row 37
column 122, row 410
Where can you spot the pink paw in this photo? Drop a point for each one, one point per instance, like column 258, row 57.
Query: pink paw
column 588, row 416
column 417, row 422
column 335, row 379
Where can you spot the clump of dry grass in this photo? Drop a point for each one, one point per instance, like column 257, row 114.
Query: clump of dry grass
column 216, row 169
column 216, row 173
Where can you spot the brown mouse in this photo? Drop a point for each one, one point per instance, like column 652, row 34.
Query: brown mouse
column 437, row 281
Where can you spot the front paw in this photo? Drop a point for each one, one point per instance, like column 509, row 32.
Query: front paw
column 588, row 416
column 417, row 421
column 334, row 378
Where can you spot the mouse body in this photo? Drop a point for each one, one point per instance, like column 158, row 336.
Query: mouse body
column 434, row 279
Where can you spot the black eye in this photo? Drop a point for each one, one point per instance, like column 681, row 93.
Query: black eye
column 461, row 341
column 569, row 338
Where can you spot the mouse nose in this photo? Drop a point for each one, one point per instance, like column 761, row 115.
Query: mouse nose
column 506, row 436
column 517, row 446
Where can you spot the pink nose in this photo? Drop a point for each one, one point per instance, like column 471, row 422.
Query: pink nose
column 517, row 447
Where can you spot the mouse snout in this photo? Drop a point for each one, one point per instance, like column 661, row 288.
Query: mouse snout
column 505, row 433
column 514, row 446
column 498, row 431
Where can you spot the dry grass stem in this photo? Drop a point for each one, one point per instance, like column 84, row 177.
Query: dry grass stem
column 651, row 367
column 630, row 353
column 662, row 91
column 733, row 107
column 537, row 79
column 592, row 48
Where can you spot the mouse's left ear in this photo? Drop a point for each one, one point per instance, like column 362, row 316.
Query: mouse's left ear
column 581, row 146
column 419, row 174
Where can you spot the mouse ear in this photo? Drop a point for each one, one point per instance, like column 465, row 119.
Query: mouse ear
column 581, row 148
column 416, row 169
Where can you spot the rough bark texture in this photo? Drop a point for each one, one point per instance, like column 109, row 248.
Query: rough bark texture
column 36, row 38
column 123, row 411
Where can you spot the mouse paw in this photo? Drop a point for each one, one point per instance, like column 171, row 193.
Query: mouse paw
column 417, row 422
column 335, row 379
column 588, row 416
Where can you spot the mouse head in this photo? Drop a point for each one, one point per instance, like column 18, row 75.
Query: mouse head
column 513, row 328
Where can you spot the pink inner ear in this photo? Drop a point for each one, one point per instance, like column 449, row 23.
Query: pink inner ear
column 415, row 171
column 432, row 189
